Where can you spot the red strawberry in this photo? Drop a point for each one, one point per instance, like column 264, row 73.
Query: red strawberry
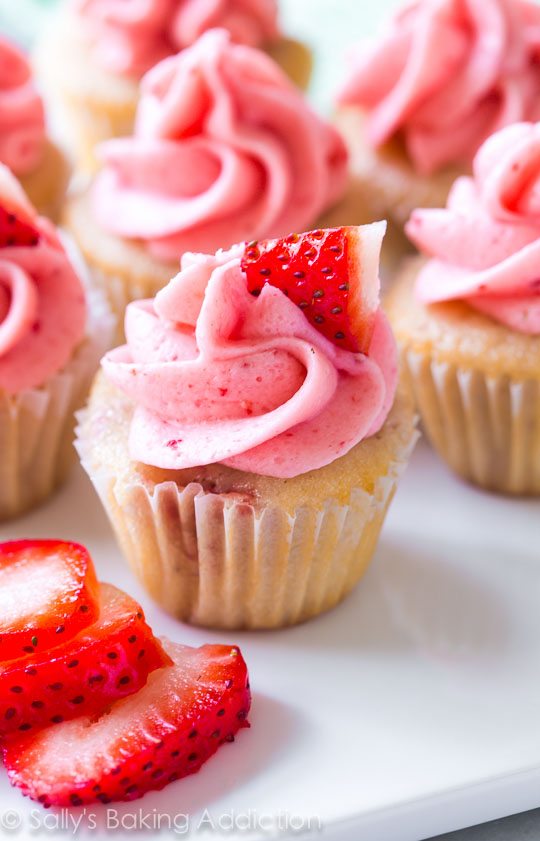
column 166, row 731
column 16, row 230
column 105, row 661
column 48, row 593
column 332, row 275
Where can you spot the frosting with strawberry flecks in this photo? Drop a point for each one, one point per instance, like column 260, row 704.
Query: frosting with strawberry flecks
column 130, row 38
column 485, row 245
column 22, row 117
column 225, row 149
column 220, row 375
column 446, row 75
column 42, row 301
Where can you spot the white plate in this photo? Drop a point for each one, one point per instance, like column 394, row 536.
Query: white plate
column 413, row 708
column 410, row 709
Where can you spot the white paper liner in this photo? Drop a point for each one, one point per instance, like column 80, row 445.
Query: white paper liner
column 486, row 428
column 121, row 290
column 37, row 425
column 215, row 560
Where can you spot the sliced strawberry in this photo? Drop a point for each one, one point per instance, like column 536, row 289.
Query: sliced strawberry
column 14, row 230
column 105, row 661
column 332, row 275
column 48, row 593
column 166, row 731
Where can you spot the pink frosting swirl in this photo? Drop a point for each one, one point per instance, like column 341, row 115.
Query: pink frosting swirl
column 42, row 302
column 448, row 74
column 485, row 246
column 130, row 38
column 22, row 118
column 217, row 375
column 225, row 149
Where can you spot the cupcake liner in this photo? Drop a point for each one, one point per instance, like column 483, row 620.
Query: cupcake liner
column 36, row 425
column 487, row 428
column 216, row 560
column 121, row 289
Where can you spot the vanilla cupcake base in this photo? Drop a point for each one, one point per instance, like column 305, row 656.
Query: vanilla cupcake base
column 89, row 104
column 37, row 425
column 384, row 184
column 220, row 548
column 477, row 387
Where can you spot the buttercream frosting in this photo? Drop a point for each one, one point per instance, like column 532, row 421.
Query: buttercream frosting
column 225, row 149
column 447, row 74
column 485, row 245
column 130, row 38
column 42, row 302
column 220, row 376
column 22, row 118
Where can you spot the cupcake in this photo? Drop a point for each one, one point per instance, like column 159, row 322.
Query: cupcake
column 421, row 100
column 468, row 318
column 225, row 149
column 52, row 335
column 24, row 146
column 108, row 45
column 247, row 440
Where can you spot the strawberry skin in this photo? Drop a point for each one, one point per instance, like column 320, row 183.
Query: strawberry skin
column 15, row 230
column 332, row 275
column 48, row 593
column 107, row 660
column 166, row 731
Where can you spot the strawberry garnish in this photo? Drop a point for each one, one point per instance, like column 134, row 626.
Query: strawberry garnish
column 166, row 731
column 107, row 660
column 332, row 275
column 16, row 230
column 48, row 593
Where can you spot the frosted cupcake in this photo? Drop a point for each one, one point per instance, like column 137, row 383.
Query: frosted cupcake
column 108, row 45
column 468, row 319
column 225, row 149
column 24, row 145
column 422, row 99
column 52, row 335
column 247, row 440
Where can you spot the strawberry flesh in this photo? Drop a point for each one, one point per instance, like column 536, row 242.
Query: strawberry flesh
column 166, row 731
column 48, row 593
column 16, row 230
column 332, row 275
column 107, row 660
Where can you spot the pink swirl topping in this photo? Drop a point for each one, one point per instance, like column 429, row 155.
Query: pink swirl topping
column 130, row 38
column 218, row 375
column 22, row 118
column 42, row 303
column 485, row 246
column 447, row 74
column 225, row 149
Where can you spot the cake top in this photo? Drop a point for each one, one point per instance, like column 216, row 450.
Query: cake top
column 130, row 38
column 233, row 363
column 485, row 245
column 22, row 117
column 446, row 74
column 225, row 149
column 42, row 302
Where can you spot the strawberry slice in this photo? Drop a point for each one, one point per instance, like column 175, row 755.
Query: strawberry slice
column 48, row 593
column 14, row 230
column 17, row 215
column 105, row 661
column 332, row 275
column 166, row 731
